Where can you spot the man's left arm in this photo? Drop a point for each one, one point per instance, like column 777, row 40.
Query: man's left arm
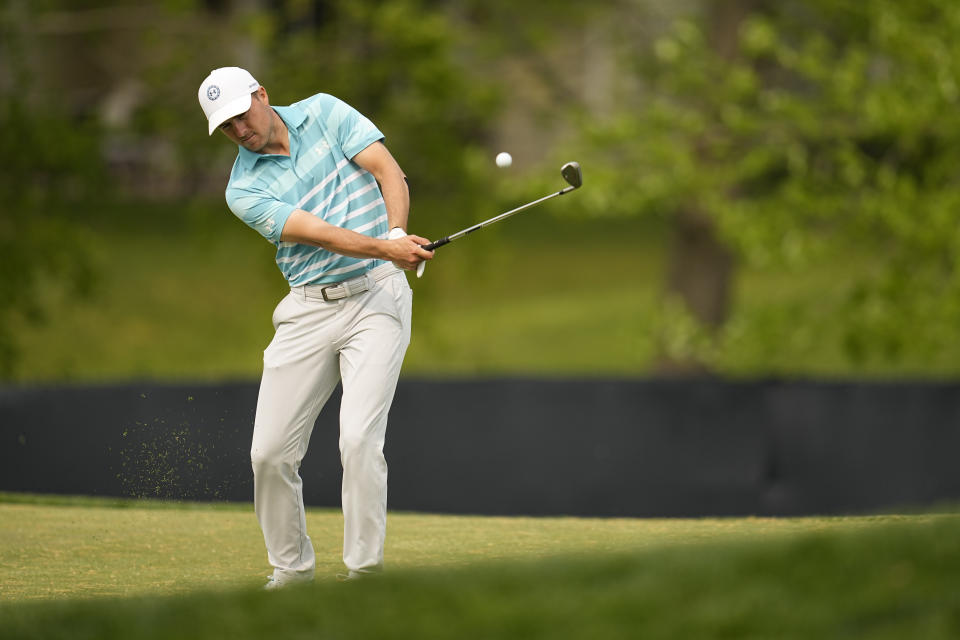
column 376, row 159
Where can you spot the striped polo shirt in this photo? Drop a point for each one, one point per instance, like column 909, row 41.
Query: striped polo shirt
column 319, row 177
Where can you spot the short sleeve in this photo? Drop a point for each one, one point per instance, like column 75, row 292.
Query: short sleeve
column 260, row 211
column 353, row 130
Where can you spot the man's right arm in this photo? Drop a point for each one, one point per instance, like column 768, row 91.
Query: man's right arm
column 306, row 228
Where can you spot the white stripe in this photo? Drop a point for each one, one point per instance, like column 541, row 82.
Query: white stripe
column 343, row 185
column 328, row 215
column 319, row 263
column 365, row 208
column 296, row 258
column 354, row 267
column 313, row 266
column 371, row 225
column 322, row 183
column 356, row 213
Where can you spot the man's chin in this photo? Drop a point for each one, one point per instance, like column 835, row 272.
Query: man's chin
column 253, row 144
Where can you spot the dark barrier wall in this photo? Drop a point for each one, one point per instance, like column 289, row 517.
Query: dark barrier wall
column 587, row 447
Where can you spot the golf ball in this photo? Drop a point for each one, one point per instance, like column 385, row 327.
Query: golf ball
column 504, row 159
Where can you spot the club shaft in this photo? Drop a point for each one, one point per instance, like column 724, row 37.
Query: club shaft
column 485, row 223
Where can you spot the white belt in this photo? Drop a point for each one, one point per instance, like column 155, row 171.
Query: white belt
column 347, row 288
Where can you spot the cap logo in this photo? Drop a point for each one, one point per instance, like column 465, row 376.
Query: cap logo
column 213, row 92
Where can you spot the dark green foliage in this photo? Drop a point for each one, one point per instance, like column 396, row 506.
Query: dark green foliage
column 52, row 165
column 830, row 129
column 827, row 136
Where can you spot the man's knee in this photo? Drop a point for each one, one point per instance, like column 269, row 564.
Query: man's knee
column 269, row 460
column 360, row 447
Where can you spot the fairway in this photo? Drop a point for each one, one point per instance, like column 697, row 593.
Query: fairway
column 63, row 547
column 92, row 568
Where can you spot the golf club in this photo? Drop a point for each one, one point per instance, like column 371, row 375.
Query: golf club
column 570, row 172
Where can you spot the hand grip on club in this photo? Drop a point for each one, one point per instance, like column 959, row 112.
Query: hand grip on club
column 430, row 247
column 434, row 245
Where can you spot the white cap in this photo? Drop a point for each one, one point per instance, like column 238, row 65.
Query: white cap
column 225, row 93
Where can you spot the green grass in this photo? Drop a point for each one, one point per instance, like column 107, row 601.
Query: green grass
column 169, row 303
column 179, row 302
column 182, row 299
column 87, row 569
column 95, row 547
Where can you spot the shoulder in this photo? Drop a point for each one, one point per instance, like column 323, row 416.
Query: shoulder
column 332, row 111
column 319, row 105
column 244, row 178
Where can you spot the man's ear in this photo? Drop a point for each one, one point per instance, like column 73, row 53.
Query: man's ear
column 261, row 95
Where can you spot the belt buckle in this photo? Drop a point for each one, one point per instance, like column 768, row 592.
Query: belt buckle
column 323, row 292
column 347, row 287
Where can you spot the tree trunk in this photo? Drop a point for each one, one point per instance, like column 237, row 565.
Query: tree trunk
column 701, row 268
column 699, row 273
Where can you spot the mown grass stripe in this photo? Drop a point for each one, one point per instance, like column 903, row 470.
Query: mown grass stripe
column 461, row 576
column 887, row 580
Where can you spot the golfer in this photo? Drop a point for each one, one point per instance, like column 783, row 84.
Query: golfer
column 315, row 179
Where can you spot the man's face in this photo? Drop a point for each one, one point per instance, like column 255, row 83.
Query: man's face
column 252, row 129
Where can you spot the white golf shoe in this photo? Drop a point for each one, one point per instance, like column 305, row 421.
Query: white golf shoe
column 277, row 580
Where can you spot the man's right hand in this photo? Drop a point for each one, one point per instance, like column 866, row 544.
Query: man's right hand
column 406, row 253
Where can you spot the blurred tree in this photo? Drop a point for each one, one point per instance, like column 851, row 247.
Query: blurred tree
column 400, row 64
column 798, row 131
column 97, row 128
column 52, row 162
column 778, row 134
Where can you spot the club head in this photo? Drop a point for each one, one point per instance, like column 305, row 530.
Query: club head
column 572, row 174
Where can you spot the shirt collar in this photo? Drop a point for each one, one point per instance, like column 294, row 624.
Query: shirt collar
column 293, row 117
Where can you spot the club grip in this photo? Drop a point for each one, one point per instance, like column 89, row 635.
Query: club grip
column 438, row 243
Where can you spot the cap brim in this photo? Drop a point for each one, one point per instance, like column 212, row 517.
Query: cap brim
column 227, row 111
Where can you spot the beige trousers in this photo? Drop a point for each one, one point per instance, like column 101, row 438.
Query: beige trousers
column 360, row 340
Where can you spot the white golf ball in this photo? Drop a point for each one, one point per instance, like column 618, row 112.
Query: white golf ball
column 504, row 159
